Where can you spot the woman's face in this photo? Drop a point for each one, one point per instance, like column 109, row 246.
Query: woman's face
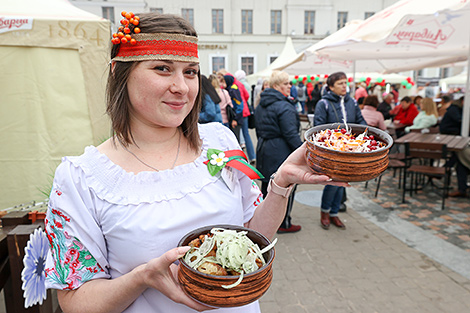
column 222, row 82
column 283, row 88
column 340, row 87
column 162, row 93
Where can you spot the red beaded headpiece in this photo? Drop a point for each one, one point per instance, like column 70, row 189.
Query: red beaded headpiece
column 152, row 46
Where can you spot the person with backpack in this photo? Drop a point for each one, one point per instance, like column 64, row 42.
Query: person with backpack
column 336, row 106
column 301, row 95
column 313, row 96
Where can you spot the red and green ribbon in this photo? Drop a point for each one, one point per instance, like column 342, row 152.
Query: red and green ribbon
column 218, row 159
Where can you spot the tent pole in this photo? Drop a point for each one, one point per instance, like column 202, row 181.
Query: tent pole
column 353, row 92
column 354, row 71
column 466, row 105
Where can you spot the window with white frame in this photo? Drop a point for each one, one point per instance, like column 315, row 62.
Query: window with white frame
column 108, row 13
column 276, row 21
column 247, row 63
column 157, row 10
column 188, row 14
column 309, row 24
column 247, row 21
column 444, row 72
column 272, row 58
column 368, row 14
column 342, row 19
column 218, row 21
column 217, row 62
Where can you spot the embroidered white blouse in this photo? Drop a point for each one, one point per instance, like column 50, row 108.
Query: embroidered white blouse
column 103, row 221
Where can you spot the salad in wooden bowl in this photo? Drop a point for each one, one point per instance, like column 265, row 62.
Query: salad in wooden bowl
column 348, row 152
column 227, row 265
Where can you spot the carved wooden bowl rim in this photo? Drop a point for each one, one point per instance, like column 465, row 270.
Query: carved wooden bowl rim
column 384, row 136
column 260, row 279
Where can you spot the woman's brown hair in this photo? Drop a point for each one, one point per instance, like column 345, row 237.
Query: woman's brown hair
column 333, row 78
column 117, row 96
column 371, row 100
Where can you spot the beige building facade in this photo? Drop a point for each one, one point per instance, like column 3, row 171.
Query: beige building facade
column 247, row 34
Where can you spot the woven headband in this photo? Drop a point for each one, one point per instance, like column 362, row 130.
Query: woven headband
column 159, row 46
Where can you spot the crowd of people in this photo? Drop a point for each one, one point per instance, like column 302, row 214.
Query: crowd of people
column 410, row 113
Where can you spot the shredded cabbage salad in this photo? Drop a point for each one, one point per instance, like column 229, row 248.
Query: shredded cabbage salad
column 343, row 140
column 234, row 251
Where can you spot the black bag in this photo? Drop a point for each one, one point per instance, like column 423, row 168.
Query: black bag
column 230, row 113
column 251, row 118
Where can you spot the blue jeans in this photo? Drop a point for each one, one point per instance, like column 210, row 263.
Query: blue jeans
column 331, row 199
column 249, row 144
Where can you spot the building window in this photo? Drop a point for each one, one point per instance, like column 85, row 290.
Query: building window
column 368, row 14
column 218, row 63
column 157, row 10
column 444, row 72
column 108, row 13
column 248, row 64
column 272, row 59
column 188, row 14
column 342, row 19
column 247, row 21
column 276, row 21
column 309, row 25
column 218, row 21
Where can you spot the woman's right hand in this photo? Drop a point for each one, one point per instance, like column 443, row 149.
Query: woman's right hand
column 162, row 274
column 234, row 124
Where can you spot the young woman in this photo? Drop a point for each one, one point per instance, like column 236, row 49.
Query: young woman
column 427, row 117
column 210, row 110
column 117, row 212
column 224, row 99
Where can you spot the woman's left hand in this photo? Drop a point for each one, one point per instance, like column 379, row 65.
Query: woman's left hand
column 295, row 170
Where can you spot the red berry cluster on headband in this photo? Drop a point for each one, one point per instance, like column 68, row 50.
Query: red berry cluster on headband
column 128, row 26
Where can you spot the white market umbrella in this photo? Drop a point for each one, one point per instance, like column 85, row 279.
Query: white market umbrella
column 435, row 30
column 309, row 62
column 437, row 34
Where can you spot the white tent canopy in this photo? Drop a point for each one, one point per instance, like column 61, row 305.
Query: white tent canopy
column 54, row 62
column 288, row 53
column 457, row 80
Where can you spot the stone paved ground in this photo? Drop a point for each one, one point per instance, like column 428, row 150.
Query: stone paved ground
column 364, row 268
column 424, row 209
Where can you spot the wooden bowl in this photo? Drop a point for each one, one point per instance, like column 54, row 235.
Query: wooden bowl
column 207, row 289
column 345, row 166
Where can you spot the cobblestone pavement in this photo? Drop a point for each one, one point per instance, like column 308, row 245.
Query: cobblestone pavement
column 423, row 209
column 381, row 263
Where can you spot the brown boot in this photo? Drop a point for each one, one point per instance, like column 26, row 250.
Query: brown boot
column 325, row 220
column 337, row 222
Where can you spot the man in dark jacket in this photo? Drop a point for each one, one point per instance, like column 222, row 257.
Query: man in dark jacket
column 277, row 129
column 451, row 124
column 336, row 106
